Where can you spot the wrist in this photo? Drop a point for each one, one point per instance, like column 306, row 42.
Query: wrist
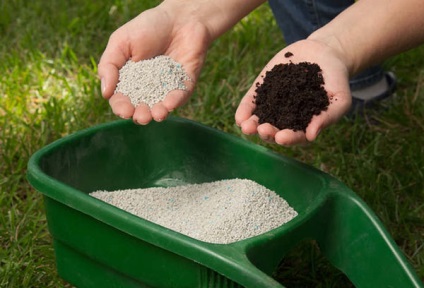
column 216, row 16
column 335, row 46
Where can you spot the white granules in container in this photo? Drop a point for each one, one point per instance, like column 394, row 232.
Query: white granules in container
column 150, row 80
column 221, row 212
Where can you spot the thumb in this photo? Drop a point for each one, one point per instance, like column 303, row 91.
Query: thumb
column 111, row 61
column 339, row 105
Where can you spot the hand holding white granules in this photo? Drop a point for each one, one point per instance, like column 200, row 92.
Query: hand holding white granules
column 149, row 81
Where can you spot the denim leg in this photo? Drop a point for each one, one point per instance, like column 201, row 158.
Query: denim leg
column 297, row 19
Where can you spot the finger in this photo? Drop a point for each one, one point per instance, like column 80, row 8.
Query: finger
column 318, row 122
column 288, row 137
column 339, row 104
column 159, row 112
column 244, row 110
column 109, row 78
column 267, row 132
column 249, row 126
column 111, row 61
column 247, row 104
column 177, row 98
column 121, row 105
column 142, row 114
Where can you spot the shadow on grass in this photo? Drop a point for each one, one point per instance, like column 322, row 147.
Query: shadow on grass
column 305, row 266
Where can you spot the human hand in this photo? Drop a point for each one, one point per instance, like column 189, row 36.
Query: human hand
column 335, row 75
column 162, row 30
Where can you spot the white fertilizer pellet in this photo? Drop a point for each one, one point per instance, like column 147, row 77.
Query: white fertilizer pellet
column 150, row 80
column 221, row 212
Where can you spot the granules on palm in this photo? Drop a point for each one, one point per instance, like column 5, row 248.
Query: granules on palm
column 149, row 81
column 290, row 95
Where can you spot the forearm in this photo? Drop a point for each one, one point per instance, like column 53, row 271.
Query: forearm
column 372, row 30
column 218, row 15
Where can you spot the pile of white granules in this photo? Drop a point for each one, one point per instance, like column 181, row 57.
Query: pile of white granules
column 150, row 80
column 221, row 212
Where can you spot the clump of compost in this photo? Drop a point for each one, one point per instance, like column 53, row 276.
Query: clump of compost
column 149, row 81
column 290, row 95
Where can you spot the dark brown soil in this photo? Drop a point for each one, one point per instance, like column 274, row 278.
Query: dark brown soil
column 290, row 95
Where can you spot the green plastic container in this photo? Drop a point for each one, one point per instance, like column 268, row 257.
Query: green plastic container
column 99, row 245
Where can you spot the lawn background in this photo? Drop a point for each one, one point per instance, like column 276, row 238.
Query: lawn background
column 48, row 88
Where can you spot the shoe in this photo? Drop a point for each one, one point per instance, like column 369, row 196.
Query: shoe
column 360, row 107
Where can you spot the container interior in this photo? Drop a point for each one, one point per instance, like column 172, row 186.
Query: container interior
column 128, row 156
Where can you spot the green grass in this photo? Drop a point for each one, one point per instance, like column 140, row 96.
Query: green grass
column 49, row 88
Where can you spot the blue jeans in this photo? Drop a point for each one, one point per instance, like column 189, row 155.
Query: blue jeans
column 299, row 18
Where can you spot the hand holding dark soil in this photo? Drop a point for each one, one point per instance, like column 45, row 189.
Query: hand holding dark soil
column 290, row 95
column 301, row 128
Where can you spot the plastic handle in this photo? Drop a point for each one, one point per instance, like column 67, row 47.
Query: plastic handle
column 248, row 275
column 356, row 242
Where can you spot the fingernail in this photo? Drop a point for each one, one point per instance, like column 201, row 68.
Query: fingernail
column 103, row 85
column 123, row 117
column 139, row 123
column 136, row 122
